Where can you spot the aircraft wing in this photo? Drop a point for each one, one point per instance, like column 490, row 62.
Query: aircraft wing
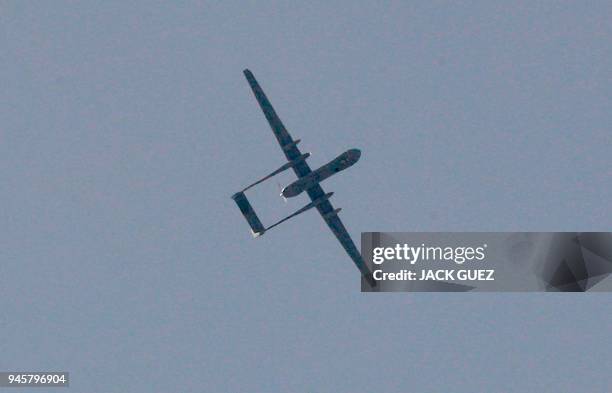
column 287, row 144
column 326, row 209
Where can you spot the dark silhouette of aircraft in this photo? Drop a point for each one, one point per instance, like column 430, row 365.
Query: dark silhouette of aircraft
column 308, row 181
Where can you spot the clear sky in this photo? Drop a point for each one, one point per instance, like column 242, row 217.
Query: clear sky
column 125, row 128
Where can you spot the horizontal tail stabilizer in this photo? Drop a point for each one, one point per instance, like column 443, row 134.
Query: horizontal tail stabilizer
column 249, row 214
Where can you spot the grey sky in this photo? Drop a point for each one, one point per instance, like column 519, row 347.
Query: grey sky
column 126, row 128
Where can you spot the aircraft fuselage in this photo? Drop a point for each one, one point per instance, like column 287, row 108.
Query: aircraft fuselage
column 343, row 161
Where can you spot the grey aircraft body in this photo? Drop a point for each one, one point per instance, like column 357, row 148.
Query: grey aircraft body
column 308, row 181
column 338, row 164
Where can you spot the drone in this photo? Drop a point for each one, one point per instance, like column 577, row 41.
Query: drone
column 308, row 181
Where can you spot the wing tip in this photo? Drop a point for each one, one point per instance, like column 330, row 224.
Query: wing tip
column 370, row 280
column 247, row 73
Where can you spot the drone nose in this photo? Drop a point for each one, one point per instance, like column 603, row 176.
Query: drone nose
column 354, row 155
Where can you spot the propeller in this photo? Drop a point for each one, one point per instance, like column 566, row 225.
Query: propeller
column 280, row 191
